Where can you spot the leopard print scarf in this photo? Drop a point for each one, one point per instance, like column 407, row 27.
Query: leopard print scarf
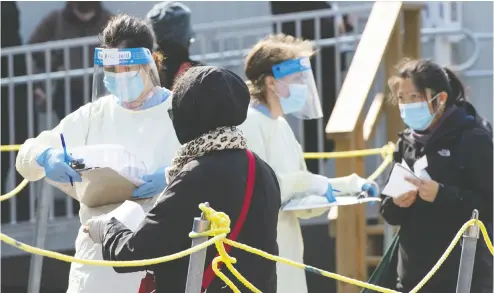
column 222, row 138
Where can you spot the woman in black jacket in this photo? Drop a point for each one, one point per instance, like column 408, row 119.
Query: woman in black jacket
column 211, row 166
column 455, row 144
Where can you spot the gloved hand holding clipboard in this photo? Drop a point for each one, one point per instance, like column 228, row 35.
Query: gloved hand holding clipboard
column 109, row 175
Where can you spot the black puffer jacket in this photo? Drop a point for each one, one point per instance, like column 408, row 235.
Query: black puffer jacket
column 459, row 155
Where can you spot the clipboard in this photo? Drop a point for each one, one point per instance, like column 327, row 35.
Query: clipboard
column 99, row 187
column 315, row 202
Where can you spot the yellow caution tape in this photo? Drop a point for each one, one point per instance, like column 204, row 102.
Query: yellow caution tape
column 10, row 148
column 14, row 191
column 104, row 263
column 385, row 152
column 220, row 226
column 321, row 155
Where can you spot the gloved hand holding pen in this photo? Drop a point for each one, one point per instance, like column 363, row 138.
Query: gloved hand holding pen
column 371, row 189
column 155, row 183
column 56, row 168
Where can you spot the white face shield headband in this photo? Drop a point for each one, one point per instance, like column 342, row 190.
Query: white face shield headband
column 127, row 74
column 296, row 88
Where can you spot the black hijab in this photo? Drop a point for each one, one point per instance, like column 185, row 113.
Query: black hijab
column 205, row 98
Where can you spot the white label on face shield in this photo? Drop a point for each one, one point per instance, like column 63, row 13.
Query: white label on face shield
column 124, row 55
column 110, row 57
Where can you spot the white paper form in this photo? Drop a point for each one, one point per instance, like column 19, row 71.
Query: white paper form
column 419, row 168
column 397, row 185
column 129, row 213
column 116, row 157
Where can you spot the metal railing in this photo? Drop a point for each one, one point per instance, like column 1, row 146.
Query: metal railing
column 203, row 34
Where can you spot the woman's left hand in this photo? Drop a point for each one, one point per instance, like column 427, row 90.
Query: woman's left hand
column 154, row 184
column 427, row 189
column 96, row 229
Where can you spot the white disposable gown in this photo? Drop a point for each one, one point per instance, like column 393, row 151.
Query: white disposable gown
column 273, row 140
column 148, row 133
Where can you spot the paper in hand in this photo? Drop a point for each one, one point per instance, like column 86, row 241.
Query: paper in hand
column 419, row 168
column 130, row 213
column 397, row 185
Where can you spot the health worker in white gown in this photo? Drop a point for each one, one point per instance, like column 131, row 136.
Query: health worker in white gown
column 281, row 82
column 129, row 108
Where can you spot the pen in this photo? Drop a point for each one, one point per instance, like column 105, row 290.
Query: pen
column 330, row 197
column 65, row 154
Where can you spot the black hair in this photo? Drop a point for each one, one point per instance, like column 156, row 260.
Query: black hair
column 129, row 32
column 426, row 74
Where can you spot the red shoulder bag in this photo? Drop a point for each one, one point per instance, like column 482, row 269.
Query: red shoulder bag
column 148, row 284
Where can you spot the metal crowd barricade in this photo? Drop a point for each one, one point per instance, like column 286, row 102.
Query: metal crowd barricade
column 222, row 58
column 219, row 30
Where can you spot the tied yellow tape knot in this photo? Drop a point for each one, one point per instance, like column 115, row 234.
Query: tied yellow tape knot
column 220, row 224
column 387, row 150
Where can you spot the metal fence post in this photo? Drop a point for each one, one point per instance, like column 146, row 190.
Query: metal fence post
column 467, row 260
column 36, row 265
column 197, row 259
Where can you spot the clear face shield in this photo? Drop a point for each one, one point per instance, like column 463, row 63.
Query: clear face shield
column 297, row 89
column 128, row 75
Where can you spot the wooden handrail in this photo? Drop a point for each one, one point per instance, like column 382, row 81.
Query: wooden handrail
column 373, row 116
column 347, row 111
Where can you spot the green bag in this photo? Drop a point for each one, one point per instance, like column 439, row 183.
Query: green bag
column 385, row 274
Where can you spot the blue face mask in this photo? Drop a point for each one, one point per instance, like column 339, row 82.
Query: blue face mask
column 126, row 86
column 296, row 100
column 417, row 115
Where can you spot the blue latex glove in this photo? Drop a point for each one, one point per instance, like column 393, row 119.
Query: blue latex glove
column 155, row 183
column 56, row 168
column 330, row 194
column 371, row 190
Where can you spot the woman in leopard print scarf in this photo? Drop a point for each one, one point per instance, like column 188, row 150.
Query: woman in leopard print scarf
column 213, row 166
column 222, row 138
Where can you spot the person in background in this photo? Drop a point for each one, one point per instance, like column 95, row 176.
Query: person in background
column 281, row 82
column 16, row 120
column 127, row 110
column 76, row 20
column 330, row 27
column 214, row 166
column 173, row 29
column 447, row 137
